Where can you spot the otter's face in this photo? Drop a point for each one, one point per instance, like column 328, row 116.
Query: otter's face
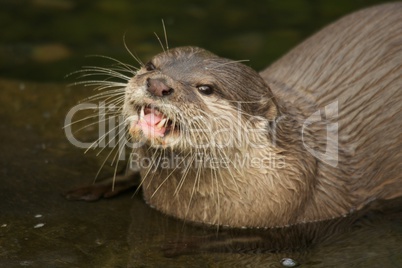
column 188, row 98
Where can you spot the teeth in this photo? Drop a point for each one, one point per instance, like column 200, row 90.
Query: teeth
column 142, row 113
column 161, row 123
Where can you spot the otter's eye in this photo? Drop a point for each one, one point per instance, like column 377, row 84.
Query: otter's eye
column 150, row 66
column 205, row 89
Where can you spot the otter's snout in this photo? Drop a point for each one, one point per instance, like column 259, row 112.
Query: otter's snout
column 157, row 87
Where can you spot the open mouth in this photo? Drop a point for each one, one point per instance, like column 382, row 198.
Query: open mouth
column 153, row 123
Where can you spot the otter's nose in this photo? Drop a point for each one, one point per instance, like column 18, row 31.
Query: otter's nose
column 158, row 88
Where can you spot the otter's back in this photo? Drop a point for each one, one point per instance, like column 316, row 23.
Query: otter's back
column 356, row 63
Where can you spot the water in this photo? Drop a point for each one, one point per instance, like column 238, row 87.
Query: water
column 44, row 40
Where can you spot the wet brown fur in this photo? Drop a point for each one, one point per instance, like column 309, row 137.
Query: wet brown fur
column 355, row 61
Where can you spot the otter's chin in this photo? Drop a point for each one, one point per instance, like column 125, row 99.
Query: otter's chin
column 154, row 126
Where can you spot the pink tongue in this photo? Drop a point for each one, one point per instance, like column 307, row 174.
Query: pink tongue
column 152, row 119
column 149, row 126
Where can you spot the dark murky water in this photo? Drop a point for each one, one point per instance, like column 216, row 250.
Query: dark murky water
column 43, row 40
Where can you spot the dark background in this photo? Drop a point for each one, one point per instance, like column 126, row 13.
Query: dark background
column 43, row 40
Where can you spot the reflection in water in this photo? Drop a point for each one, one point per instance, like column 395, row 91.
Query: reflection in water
column 372, row 235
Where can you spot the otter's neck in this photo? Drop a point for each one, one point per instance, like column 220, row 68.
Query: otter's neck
column 252, row 187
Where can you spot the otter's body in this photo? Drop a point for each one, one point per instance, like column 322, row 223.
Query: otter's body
column 313, row 137
column 357, row 63
column 351, row 72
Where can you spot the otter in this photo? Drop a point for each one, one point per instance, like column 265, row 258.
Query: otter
column 315, row 136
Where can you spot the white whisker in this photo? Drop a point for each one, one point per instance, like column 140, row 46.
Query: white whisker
column 136, row 58
column 165, row 33
column 160, row 42
column 216, row 66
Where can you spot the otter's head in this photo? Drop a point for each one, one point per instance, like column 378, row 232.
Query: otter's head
column 188, row 98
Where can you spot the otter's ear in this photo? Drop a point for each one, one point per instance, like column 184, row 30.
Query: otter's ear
column 269, row 108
